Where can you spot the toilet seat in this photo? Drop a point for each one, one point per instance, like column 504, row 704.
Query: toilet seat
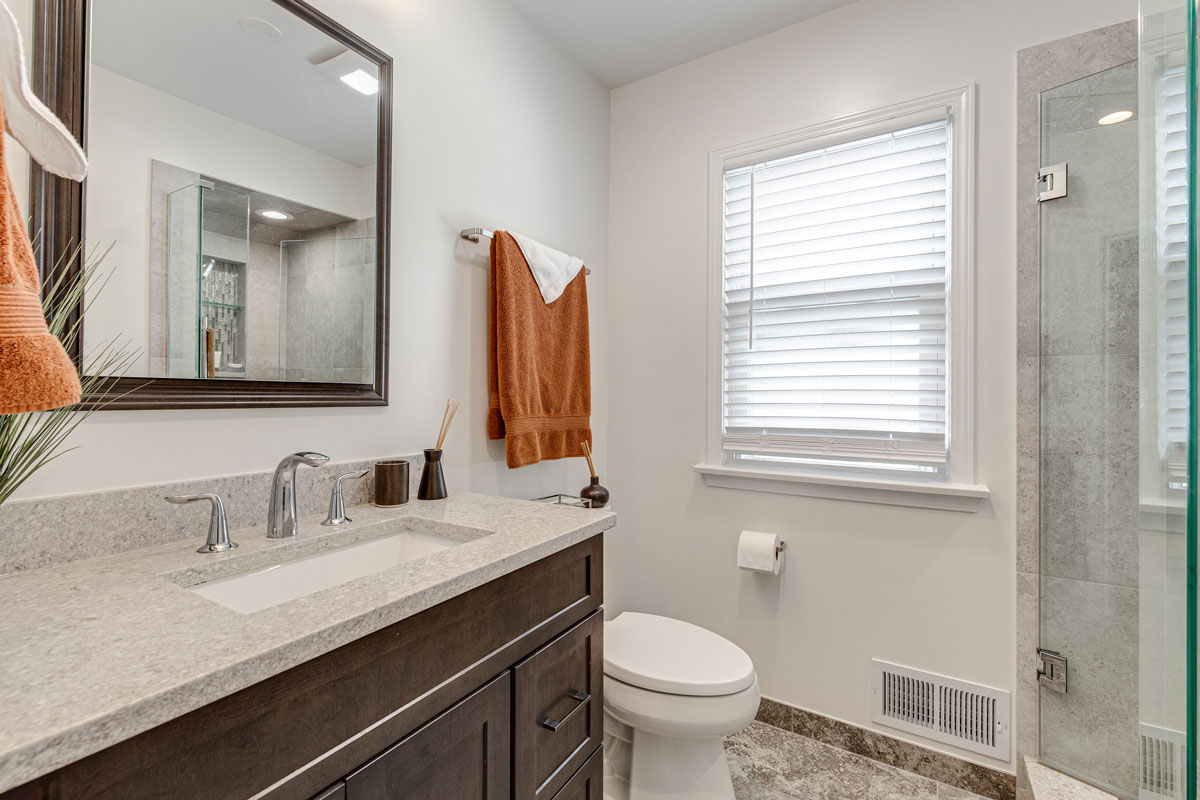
column 670, row 656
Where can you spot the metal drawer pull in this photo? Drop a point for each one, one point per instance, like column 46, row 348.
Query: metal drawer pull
column 553, row 724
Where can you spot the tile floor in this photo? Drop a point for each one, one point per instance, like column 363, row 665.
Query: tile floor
column 771, row 764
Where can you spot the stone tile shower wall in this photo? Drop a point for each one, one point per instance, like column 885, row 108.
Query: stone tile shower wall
column 328, row 304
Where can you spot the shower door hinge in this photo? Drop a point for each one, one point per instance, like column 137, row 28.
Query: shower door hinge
column 1052, row 670
column 1052, row 182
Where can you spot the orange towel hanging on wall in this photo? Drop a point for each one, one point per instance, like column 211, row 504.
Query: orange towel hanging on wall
column 36, row 373
column 539, row 362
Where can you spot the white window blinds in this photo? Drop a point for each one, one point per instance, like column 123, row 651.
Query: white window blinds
column 835, row 283
column 1171, row 240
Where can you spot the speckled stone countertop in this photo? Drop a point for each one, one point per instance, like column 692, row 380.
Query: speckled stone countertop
column 93, row 652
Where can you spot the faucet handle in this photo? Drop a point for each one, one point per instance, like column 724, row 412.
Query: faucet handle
column 218, row 529
column 337, row 505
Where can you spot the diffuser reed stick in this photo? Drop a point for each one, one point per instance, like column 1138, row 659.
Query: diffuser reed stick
column 447, row 421
column 587, row 453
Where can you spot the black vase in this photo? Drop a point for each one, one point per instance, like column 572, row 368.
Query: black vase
column 433, row 482
column 595, row 494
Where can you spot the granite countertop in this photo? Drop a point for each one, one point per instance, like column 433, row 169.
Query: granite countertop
column 94, row 652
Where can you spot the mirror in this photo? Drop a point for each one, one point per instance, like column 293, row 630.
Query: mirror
column 238, row 170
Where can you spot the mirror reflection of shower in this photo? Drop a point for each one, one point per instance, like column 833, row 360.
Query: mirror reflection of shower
column 259, row 287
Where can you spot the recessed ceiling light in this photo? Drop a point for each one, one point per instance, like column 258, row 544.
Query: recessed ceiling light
column 259, row 29
column 360, row 81
column 1115, row 117
column 271, row 213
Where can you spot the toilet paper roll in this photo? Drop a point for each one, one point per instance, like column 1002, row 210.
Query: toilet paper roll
column 759, row 552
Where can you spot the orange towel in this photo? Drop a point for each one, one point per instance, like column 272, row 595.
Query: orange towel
column 36, row 374
column 539, row 362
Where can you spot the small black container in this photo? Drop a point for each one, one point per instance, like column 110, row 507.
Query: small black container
column 391, row 483
column 595, row 494
column 433, row 482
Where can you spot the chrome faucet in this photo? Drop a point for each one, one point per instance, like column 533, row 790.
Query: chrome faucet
column 218, row 529
column 337, row 502
column 281, row 516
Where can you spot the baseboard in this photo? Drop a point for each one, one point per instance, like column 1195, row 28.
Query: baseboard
column 947, row 769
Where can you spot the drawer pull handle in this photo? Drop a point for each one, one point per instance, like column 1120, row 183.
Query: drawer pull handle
column 553, row 724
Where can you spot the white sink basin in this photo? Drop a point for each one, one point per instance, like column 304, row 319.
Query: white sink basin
column 279, row 583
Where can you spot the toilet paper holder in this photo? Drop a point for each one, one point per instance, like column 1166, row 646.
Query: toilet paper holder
column 780, row 548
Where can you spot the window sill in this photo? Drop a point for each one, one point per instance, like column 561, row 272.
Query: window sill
column 961, row 497
column 1163, row 516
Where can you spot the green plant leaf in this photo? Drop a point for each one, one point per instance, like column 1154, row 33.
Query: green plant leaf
column 30, row 441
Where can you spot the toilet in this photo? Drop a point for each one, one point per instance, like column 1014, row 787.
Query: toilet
column 672, row 692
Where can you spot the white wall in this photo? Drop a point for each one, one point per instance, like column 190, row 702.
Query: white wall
column 131, row 124
column 929, row 589
column 494, row 126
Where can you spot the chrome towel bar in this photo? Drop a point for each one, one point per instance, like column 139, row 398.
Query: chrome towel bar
column 474, row 234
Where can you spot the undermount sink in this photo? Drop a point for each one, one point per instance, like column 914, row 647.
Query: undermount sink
column 278, row 583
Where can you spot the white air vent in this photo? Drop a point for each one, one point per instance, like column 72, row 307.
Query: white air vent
column 948, row 710
column 1162, row 758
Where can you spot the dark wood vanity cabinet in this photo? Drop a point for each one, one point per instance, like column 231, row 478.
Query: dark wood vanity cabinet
column 587, row 783
column 495, row 693
column 461, row 753
column 558, row 714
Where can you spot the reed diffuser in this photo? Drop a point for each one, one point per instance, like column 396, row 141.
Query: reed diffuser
column 433, row 481
column 595, row 494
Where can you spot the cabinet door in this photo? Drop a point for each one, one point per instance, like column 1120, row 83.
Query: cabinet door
column 558, row 709
column 464, row 753
column 588, row 783
column 335, row 792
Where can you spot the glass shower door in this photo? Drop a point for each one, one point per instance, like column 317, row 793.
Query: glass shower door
column 208, row 242
column 183, row 286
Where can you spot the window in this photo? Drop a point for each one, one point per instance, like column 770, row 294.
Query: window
column 841, row 286
column 1171, row 253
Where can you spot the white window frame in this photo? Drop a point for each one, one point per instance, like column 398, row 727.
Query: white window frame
column 956, row 491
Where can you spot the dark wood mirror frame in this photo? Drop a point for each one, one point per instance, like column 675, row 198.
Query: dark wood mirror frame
column 56, row 210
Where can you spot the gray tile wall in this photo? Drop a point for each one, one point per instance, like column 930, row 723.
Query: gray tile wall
column 263, row 299
column 328, row 306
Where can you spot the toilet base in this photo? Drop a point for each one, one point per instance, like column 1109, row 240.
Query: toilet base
column 639, row 765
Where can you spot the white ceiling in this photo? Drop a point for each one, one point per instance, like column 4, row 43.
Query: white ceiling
column 620, row 41
column 195, row 50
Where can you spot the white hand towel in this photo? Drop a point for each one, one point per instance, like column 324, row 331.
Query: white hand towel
column 552, row 269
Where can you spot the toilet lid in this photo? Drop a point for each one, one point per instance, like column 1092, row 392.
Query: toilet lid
column 675, row 657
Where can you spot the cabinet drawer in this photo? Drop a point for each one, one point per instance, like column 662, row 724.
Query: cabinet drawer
column 588, row 783
column 558, row 709
column 463, row 753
